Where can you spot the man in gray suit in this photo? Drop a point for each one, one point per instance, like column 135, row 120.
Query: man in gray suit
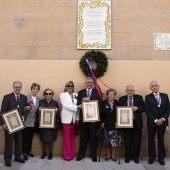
column 11, row 101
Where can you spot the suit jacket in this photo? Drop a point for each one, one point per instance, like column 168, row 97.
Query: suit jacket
column 154, row 112
column 9, row 103
column 138, row 102
column 108, row 117
column 69, row 110
column 31, row 114
column 94, row 96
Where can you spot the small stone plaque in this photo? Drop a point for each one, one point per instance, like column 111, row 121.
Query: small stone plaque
column 161, row 41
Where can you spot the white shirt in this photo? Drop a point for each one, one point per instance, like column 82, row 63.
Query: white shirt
column 34, row 100
column 87, row 90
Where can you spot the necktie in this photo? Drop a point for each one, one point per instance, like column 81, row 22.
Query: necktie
column 130, row 101
column 88, row 93
column 157, row 99
column 18, row 100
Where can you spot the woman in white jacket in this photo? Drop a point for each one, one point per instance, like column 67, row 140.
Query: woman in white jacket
column 69, row 117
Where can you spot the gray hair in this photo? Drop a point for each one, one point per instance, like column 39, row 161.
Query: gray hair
column 17, row 82
column 154, row 81
column 130, row 86
column 89, row 78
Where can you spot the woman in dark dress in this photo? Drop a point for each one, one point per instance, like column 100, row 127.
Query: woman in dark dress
column 108, row 120
column 48, row 135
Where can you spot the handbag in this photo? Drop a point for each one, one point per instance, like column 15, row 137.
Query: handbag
column 102, row 135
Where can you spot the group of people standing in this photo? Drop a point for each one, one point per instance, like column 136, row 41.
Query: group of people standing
column 156, row 107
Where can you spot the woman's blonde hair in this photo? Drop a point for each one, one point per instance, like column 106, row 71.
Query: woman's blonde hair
column 68, row 83
column 111, row 90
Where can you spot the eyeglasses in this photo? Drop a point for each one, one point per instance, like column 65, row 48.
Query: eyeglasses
column 70, row 86
column 17, row 87
column 47, row 93
column 89, row 82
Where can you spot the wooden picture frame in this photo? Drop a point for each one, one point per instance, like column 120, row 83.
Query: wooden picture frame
column 124, row 117
column 91, row 111
column 13, row 120
column 47, row 118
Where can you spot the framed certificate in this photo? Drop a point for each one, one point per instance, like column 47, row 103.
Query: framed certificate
column 13, row 120
column 91, row 111
column 124, row 117
column 47, row 117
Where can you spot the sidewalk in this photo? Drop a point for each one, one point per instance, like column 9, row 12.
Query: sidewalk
column 57, row 163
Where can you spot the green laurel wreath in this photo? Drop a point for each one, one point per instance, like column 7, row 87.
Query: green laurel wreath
column 97, row 57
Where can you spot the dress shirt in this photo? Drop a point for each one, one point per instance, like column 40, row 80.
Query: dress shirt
column 128, row 101
column 88, row 91
column 159, row 102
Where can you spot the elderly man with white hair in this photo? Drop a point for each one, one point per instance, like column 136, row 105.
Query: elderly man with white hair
column 157, row 111
column 133, row 136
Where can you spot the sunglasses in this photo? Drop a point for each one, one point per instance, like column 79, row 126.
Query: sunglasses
column 47, row 93
column 70, row 86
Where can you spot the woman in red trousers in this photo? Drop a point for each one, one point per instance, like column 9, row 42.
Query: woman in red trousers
column 69, row 117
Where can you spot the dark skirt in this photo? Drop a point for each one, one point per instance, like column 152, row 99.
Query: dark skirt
column 48, row 135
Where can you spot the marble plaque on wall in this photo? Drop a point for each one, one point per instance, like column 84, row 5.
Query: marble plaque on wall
column 94, row 24
column 161, row 41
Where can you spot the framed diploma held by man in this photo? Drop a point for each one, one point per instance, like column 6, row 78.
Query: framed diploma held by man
column 124, row 117
column 91, row 111
column 13, row 120
column 47, row 118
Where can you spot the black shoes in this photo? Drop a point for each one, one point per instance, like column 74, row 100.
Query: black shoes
column 80, row 157
column 43, row 155
column 50, row 156
column 20, row 160
column 136, row 161
column 30, row 154
column 25, row 157
column 127, row 160
column 7, row 163
column 150, row 161
column 162, row 162
column 68, row 159
column 94, row 159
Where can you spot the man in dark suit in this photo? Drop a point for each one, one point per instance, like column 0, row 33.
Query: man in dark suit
column 133, row 136
column 157, row 111
column 88, row 129
column 12, row 101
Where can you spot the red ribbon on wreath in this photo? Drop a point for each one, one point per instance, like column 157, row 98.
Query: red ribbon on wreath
column 89, row 64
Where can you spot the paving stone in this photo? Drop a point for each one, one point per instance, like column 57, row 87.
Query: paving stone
column 57, row 163
column 52, row 166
